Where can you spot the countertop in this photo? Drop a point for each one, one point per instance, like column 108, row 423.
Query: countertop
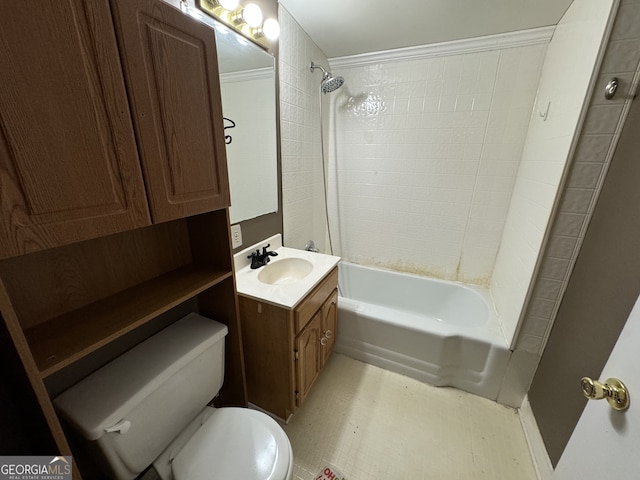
column 287, row 295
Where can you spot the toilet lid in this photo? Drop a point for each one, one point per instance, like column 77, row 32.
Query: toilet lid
column 235, row 443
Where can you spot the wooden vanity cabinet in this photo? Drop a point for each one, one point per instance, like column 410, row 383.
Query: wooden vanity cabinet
column 77, row 77
column 285, row 349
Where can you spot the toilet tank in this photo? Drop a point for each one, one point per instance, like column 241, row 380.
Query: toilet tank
column 128, row 411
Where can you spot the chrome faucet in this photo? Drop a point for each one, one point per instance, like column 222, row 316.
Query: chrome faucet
column 261, row 259
column 311, row 247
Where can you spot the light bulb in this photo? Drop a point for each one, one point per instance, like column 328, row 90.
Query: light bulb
column 252, row 15
column 230, row 5
column 271, row 28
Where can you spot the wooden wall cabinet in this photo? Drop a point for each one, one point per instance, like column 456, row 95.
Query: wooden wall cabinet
column 69, row 167
column 113, row 187
column 285, row 349
column 94, row 107
column 171, row 67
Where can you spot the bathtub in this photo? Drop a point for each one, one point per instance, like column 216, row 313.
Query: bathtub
column 439, row 332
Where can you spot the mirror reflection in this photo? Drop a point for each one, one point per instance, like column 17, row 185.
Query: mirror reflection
column 247, row 84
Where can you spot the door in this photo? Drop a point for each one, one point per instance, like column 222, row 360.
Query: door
column 69, row 167
column 605, row 442
column 308, row 356
column 171, row 67
column 329, row 325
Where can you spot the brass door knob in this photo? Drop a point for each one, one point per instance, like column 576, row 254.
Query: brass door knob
column 612, row 389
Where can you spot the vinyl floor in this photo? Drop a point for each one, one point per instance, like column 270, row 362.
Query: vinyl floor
column 373, row 424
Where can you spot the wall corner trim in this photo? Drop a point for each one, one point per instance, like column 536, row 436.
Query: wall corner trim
column 537, row 448
column 521, row 38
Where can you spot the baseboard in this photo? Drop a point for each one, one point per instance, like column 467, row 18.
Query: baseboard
column 539, row 455
column 281, row 421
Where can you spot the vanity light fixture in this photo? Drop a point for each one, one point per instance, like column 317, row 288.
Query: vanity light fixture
column 252, row 15
column 221, row 8
column 247, row 19
column 270, row 29
column 229, row 5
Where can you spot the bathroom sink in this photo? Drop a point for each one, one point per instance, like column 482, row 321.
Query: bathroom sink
column 287, row 278
column 284, row 271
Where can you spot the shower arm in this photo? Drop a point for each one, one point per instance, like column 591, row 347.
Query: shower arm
column 313, row 66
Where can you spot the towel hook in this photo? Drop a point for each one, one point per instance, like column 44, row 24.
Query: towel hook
column 610, row 88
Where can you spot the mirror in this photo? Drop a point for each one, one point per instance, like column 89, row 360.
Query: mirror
column 248, row 87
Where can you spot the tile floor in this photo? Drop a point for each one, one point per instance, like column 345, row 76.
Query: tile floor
column 373, row 424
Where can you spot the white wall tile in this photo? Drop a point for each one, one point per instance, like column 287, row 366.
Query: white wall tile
column 427, row 172
column 566, row 74
column 592, row 149
column 302, row 191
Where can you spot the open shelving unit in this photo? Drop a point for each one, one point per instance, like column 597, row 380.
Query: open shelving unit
column 69, row 337
column 64, row 304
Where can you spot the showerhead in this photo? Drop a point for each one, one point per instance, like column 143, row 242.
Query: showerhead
column 329, row 82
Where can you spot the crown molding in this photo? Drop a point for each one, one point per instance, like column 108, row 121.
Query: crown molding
column 534, row 36
column 247, row 75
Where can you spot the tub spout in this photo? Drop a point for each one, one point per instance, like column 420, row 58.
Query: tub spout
column 311, row 247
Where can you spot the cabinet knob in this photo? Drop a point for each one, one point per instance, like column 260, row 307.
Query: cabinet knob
column 328, row 334
column 324, row 341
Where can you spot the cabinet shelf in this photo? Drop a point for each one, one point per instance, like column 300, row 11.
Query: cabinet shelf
column 69, row 337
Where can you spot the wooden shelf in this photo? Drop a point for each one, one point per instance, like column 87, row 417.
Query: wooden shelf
column 69, row 337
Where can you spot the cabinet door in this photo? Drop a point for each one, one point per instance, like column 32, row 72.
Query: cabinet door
column 171, row 68
column 329, row 325
column 69, row 167
column 308, row 356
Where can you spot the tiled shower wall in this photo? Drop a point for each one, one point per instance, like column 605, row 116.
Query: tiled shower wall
column 595, row 146
column 604, row 122
column 427, row 147
column 566, row 75
column 302, row 188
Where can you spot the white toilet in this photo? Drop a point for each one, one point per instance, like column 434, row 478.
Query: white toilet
column 148, row 406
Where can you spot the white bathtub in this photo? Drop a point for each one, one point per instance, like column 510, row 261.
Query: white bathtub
column 439, row 332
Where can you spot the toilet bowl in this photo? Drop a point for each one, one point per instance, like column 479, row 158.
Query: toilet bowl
column 233, row 443
column 148, row 407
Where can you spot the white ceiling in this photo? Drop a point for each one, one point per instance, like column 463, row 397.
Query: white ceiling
column 348, row 27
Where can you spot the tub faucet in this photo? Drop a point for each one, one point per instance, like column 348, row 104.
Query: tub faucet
column 261, row 259
column 311, row 247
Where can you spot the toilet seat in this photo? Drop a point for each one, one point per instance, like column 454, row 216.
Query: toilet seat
column 235, row 443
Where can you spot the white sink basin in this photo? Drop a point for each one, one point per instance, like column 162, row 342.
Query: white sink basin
column 287, row 279
column 285, row 271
